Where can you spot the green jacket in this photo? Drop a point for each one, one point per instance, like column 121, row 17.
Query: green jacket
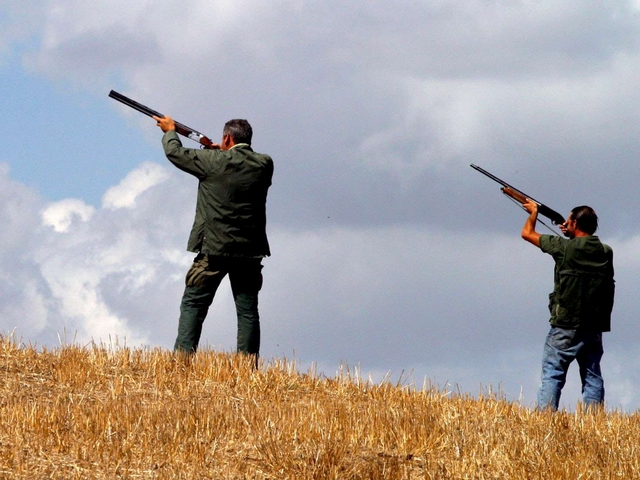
column 230, row 215
column 583, row 292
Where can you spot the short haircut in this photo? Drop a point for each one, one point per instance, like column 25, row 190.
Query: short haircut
column 586, row 219
column 239, row 129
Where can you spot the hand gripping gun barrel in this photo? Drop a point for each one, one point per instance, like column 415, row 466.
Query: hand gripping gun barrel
column 521, row 197
column 180, row 128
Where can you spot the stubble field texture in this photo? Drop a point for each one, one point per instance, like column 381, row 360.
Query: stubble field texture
column 89, row 412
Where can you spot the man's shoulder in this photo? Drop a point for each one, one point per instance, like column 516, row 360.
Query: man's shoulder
column 246, row 150
column 552, row 243
column 595, row 238
column 591, row 241
column 263, row 156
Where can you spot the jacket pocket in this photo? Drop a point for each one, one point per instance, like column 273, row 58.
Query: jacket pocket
column 199, row 272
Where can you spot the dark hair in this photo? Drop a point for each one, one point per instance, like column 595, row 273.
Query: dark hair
column 239, row 129
column 586, row 219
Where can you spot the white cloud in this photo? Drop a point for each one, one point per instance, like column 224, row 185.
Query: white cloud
column 23, row 304
column 620, row 371
column 75, row 287
column 98, row 273
column 17, row 23
column 137, row 182
column 16, row 215
column 61, row 215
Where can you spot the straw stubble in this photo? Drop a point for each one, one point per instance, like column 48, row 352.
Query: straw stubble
column 98, row 412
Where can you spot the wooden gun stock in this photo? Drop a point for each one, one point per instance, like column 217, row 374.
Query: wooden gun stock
column 180, row 128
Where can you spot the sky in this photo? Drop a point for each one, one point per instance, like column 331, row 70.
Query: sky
column 391, row 258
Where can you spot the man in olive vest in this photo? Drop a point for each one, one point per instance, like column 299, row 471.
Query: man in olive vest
column 580, row 305
column 229, row 230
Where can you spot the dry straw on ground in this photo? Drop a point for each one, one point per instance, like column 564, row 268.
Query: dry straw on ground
column 95, row 412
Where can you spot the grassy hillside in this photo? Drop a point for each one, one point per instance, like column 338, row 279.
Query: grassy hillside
column 93, row 413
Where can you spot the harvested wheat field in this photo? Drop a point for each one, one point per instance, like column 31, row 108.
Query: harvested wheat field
column 93, row 412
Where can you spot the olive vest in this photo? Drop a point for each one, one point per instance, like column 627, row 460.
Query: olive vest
column 584, row 288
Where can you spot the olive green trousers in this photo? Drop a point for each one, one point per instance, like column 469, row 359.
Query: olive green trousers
column 202, row 282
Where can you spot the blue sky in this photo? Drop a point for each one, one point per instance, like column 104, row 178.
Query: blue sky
column 58, row 135
column 389, row 252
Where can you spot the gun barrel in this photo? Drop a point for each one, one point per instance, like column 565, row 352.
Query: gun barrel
column 135, row 105
column 180, row 128
column 491, row 176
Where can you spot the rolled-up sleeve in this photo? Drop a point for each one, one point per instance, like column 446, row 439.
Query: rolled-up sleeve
column 553, row 245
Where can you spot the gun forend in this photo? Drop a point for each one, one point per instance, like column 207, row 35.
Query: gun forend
column 518, row 196
column 515, row 194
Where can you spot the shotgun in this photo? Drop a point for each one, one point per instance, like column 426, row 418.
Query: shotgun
column 180, row 128
column 521, row 197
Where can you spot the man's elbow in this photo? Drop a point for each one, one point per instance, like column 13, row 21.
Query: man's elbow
column 531, row 237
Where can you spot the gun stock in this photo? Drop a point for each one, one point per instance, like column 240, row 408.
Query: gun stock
column 180, row 128
column 521, row 197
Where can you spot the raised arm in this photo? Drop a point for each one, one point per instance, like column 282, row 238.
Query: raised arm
column 529, row 230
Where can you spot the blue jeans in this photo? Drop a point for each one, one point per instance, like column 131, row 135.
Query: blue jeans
column 560, row 349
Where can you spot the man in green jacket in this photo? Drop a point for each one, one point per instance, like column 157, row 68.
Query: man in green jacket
column 580, row 305
column 229, row 230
